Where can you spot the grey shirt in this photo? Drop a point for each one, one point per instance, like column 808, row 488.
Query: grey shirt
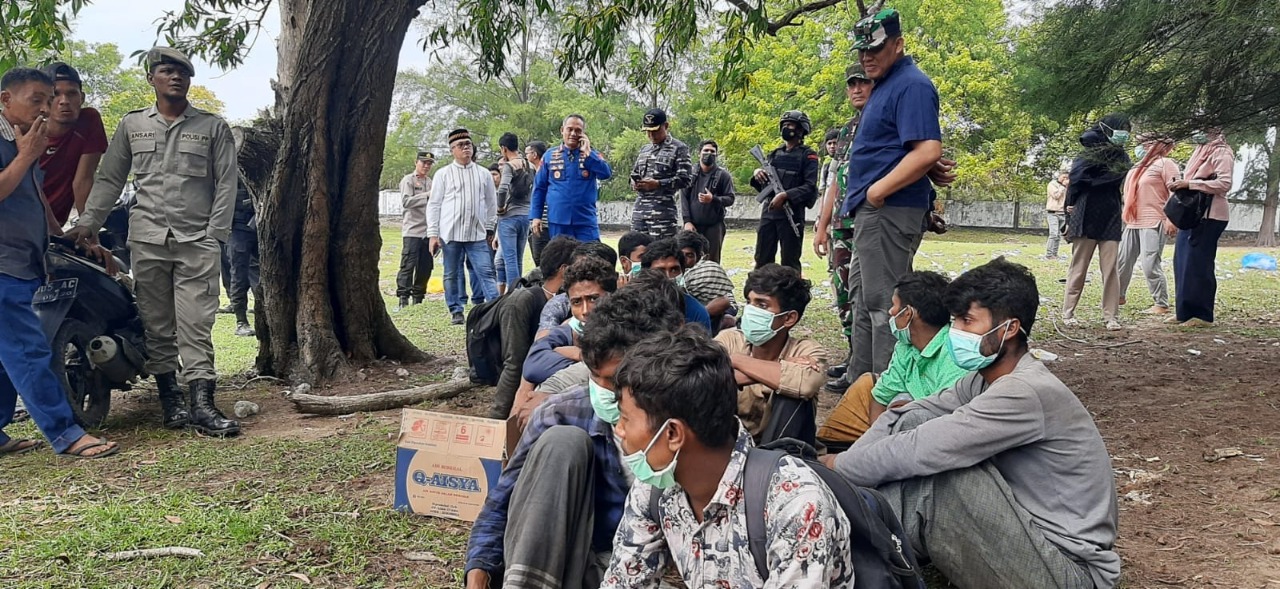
column 514, row 198
column 573, row 375
column 1039, row 436
column 186, row 172
column 23, row 230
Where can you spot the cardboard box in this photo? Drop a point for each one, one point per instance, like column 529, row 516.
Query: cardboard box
column 446, row 464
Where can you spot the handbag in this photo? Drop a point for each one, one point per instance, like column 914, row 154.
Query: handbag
column 1186, row 208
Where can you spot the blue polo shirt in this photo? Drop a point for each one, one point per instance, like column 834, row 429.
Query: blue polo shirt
column 568, row 186
column 903, row 108
column 23, row 231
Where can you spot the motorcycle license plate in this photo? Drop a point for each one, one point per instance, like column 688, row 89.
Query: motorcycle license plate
column 56, row 290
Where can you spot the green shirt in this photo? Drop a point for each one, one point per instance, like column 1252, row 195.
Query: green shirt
column 922, row 374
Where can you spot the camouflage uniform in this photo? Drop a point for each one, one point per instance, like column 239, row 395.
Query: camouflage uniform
column 655, row 211
column 842, row 233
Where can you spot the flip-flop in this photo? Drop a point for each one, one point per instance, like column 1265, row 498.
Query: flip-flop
column 15, row 446
column 80, row 453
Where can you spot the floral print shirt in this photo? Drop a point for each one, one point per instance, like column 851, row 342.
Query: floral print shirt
column 809, row 532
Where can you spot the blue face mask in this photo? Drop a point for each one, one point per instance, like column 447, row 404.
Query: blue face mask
column 966, row 348
column 575, row 325
column 1140, row 151
column 639, row 465
column 902, row 334
column 1199, row 138
column 635, row 268
column 680, row 281
column 1119, row 137
column 604, row 402
column 757, row 325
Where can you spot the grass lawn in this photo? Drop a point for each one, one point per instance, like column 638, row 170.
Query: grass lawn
column 299, row 502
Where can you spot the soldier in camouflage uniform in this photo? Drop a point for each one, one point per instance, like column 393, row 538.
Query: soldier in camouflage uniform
column 834, row 231
column 662, row 170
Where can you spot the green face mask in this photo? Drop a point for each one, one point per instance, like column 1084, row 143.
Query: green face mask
column 575, row 325
column 639, row 465
column 1199, row 138
column 1140, row 152
column 635, row 268
column 902, row 334
column 1119, row 137
column 757, row 325
column 604, row 402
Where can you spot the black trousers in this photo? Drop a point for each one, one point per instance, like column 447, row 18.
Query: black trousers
column 775, row 233
column 416, row 265
column 243, row 251
column 715, row 239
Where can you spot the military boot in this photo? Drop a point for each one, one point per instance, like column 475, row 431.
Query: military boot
column 205, row 417
column 172, row 405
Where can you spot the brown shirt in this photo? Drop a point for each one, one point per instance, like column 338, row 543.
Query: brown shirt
column 799, row 380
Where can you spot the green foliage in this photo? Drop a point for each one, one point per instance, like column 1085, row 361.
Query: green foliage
column 1174, row 65
column 29, row 28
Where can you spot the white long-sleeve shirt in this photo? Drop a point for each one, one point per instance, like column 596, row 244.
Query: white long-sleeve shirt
column 463, row 205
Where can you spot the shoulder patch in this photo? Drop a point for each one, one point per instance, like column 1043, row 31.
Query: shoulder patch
column 813, row 156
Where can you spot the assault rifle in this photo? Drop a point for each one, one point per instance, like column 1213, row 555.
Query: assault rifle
column 773, row 188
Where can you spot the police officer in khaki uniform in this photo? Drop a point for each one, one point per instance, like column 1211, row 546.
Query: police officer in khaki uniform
column 184, row 162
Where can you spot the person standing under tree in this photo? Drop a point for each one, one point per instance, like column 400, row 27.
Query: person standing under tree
column 1208, row 170
column 1146, row 190
column 661, row 171
column 243, row 250
column 461, row 217
column 416, row 262
column 1055, row 213
column 184, row 163
column 1093, row 215
column 704, row 203
column 797, row 166
column 899, row 141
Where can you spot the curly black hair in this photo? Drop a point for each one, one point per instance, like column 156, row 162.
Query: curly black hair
column 1006, row 289
column 684, row 375
column 783, row 283
column 621, row 320
column 925, row 291
column 591, row 269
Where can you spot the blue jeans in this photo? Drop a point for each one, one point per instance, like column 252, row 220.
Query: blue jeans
column 513, row 234
column 478, row 255
column 24, row 368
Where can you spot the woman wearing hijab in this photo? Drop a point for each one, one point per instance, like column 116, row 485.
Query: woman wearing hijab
column 1146, row 229
column 1093, row 214
column 1196, row 250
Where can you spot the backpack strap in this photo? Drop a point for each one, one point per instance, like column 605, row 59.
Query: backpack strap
column 756, row 476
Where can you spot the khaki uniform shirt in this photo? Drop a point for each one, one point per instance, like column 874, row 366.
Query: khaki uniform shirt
column 798, row 380
column 415, row 191
column 186, row 173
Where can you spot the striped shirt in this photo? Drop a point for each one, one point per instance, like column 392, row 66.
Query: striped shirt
column 708, row 281
column 463, row 205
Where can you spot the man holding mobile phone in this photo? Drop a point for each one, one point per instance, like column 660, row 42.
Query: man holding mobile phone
column 568, row 185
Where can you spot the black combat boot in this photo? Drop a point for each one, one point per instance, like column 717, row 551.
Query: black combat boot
column 172, row 405
column 205, row 417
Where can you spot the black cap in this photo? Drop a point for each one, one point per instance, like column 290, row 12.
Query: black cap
column 653, row 119
column 426, row 156
column 457, row 135
column 59, row 72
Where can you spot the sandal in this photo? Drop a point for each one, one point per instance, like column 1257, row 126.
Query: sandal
column 16, row 446
column 113, row 448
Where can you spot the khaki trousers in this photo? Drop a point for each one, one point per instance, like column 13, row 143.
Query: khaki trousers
column 1081, row 254
column 177, row 286
column 852, row 416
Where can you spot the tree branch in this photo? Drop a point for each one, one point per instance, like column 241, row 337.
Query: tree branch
column 789, row 18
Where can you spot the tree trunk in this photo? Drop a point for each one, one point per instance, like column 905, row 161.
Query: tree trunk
column 319, row 219
column 1267, row 232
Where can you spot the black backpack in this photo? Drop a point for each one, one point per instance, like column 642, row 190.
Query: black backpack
column 484, row 336
column 881, row 552
column 1186, row 208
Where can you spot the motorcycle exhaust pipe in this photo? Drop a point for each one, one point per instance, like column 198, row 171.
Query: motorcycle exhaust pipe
column 106, row 354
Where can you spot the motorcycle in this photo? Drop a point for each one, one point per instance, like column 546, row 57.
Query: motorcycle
column 96, row 334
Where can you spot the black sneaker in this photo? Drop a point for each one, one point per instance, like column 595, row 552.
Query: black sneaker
column 837, row 371
column 839, row 385
column 458, row 319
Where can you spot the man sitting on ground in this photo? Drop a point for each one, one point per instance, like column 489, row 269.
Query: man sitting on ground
column 663, row 255
column 921, row 365
column 631, row 246
column 681, row 441
column 778, row 375
column 550, row 520
column 1002, row 480
column 557, row 310
column 706, row 280
column 518, row 318
column 587, row 281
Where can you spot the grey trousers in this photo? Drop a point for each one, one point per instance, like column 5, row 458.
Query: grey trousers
column 885, row 240
column 1146, row 245
column 1055, row 221
column 968, row 524
column 552, row 514
column 177, row 286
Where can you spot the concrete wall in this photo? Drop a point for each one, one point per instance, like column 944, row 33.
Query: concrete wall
column 1246, row 217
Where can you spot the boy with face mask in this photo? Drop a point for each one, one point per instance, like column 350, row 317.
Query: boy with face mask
column 550, row 520
column 1006, row 467
column 778, row 375
column 681, row 442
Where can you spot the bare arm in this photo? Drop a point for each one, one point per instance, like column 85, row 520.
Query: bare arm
column 83, row 182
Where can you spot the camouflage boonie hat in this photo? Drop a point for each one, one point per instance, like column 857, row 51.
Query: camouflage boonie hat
column 855, row 72
column 873, row 31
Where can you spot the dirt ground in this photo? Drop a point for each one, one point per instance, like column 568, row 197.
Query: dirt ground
column 1194, row 438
